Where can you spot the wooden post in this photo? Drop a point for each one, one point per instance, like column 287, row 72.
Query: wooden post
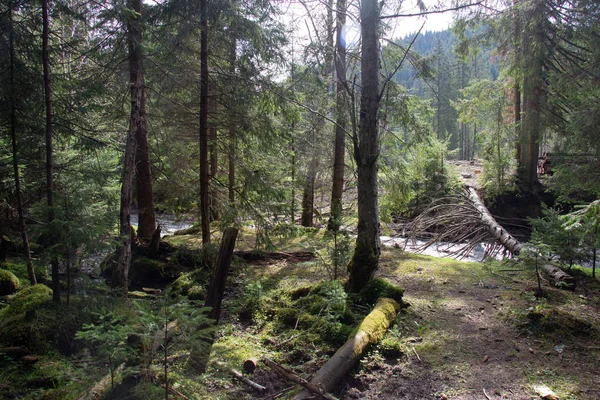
column 214, row 295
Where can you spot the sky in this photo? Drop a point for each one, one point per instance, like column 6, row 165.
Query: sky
column 296, row 16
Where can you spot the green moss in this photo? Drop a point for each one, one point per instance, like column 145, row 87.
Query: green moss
column 196, row 292
column 108, row 263
column 29, row 299
column 378, row 320
column 335, row 333
column 18, row 267
column 188, row 280
column 9, row 283
column 148, row 272
column 288, row 316
column 392, row 347
column 377, row 288
column 558, row 320
column 299, row 292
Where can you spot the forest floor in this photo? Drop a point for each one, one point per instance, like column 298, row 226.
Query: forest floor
column 472, row 331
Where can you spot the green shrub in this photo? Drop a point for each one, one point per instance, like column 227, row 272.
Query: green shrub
column 9, row 283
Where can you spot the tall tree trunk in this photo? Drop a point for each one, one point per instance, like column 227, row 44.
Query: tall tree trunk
column 533, row 94
column 308, row 194
column 15, row 153
column 212, row 147
column 517, row 89
column 49, row 137
column 232, row 131
column 143, row 178
column 204, row 200
column 120, row 275
column 137, row 123
column 337, row 187
column 366, row 152
column 293, row 173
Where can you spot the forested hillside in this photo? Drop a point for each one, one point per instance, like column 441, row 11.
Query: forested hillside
column 195, row 191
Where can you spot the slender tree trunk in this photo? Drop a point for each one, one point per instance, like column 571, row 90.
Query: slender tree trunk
column 337, row 187
column 308, row 194
column 143, row 178
column 474, row 140
column 293, row 173
column 232, row 131
column 212, row 146
column 366, row 152
column 204, row 200
column 121, row 272
column 49, row 137
column 15, row 153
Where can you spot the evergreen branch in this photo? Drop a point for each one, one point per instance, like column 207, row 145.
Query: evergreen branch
column 420, row 14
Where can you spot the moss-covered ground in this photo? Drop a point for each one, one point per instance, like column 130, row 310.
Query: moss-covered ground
column 472, row 330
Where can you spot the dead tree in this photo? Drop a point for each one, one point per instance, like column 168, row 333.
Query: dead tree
column 463, row 218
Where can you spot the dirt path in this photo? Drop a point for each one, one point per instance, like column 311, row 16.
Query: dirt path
column 466, row 343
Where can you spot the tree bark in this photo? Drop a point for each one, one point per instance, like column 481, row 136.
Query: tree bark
column 214, row 209
column 366, row 153
column 309, row 387
column 214, row 294
column 509, row 242
column 517, row 88
column 532, row 96
column 121, row 272
column 204, row 181
column 15, row 153
column 232, row 131
column 49, row 140
column 558, row 277
column 337, row 188
column 143, row 177
column 308, row 194
column 369, row 332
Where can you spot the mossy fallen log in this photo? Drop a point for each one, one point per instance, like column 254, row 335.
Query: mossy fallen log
column 369, row 332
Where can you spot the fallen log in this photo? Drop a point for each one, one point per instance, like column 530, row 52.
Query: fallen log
column 252, row 256
column 295, row 378
column 15, row 352
column 250, row 365
column 464, row 218
column 98, row 391
column 559, row 278
column 238, row 375
column 508, row 241
column 369, row 332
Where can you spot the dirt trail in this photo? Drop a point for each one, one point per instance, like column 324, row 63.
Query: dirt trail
column 469, row 345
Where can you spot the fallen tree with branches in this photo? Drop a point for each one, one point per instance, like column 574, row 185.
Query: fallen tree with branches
column 463, row 218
